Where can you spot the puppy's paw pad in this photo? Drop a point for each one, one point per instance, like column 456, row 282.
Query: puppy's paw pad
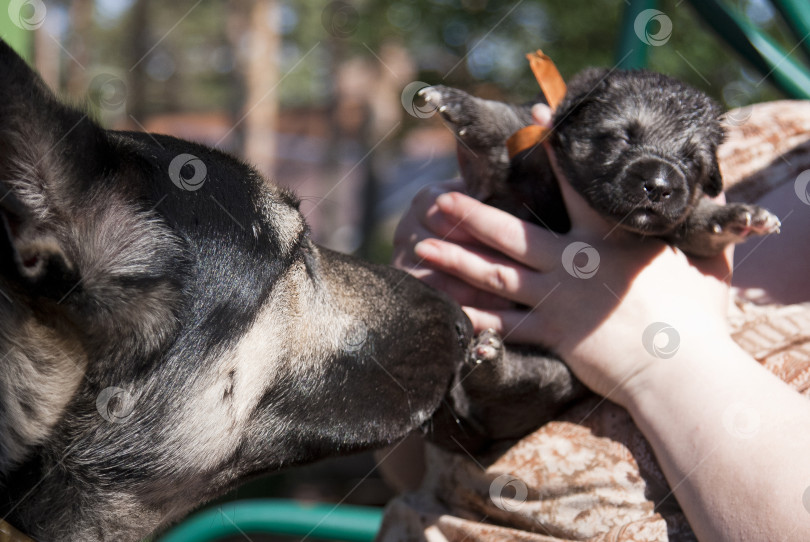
column 744, row 221
column 483, row 353
column 488, row 346
column 452, row 104
column 764, row 222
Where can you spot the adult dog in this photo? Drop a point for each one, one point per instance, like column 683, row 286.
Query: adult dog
column 170, row 330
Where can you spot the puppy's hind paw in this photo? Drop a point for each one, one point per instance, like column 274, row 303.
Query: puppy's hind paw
column 488, row 347
column 452, row 104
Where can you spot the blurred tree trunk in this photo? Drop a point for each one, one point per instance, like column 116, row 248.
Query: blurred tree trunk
column 237, row 22
column 47, row 57
column 394, row 69
column 330, row 218
column 80, row 44
column 262, row 78
column 139, row 46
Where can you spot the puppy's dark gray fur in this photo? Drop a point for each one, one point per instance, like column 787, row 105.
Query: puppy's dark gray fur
column 641, row 148
column 159, row 346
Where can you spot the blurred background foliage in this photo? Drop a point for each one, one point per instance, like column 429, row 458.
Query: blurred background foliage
column 456, row 42
column 312, row 94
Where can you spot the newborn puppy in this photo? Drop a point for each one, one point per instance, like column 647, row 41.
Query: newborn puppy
column 641, row 148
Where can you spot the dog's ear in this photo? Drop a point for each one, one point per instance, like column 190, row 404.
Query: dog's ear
column 46, row 150
column 579, row 93
column 34, row 257
column 714, row 181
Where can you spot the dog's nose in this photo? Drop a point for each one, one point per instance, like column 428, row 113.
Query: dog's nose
column 655, row 178
column 657, row 189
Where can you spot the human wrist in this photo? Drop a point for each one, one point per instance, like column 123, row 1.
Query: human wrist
column 701, row 362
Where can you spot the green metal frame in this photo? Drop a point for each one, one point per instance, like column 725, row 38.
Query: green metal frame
column 797, row 16
column 632, row 52
column 282, row 517
column 754, row 45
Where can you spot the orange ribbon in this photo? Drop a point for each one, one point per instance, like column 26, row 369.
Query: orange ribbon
column 553, row 88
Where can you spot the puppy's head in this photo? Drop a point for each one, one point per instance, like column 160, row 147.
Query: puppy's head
column 639, row 146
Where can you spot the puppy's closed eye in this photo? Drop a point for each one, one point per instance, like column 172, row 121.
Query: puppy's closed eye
column 633, row 132
column 612, row 136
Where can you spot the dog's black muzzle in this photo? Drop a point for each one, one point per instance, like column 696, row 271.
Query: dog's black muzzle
column 658, row 192
column 395, row 364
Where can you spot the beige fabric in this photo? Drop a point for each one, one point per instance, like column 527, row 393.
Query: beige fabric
column 766, row 146
column 591, row 475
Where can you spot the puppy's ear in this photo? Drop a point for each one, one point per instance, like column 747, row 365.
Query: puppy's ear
column 586, row 80
column 714, row 181
column 579, row 92
column 47, row 150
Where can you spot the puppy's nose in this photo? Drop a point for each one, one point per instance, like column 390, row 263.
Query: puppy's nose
column 657, row 189
column 655, row 178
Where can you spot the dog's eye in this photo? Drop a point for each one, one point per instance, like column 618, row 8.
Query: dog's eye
column 632, row 132
column 612, row 136
column 692, row 161
column 622, row 138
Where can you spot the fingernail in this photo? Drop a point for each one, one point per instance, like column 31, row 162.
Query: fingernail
column 445, row 203
column 425, row 250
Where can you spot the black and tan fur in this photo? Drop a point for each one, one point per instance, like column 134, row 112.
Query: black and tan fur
column 241, row 347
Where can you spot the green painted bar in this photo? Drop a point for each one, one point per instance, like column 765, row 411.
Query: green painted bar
column 631, row 53
column 796, row 14
column 756, row 47
column 280, row 517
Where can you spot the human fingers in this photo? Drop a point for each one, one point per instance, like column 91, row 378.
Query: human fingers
column 519, row 240
column 518, row 326
column 494, row 274
column 424, row 207
column 404, row 255
column 423, row 219
column 542, row 115
column 465, row 294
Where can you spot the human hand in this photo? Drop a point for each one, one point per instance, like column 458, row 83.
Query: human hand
column 597, row 324
column 424, row 221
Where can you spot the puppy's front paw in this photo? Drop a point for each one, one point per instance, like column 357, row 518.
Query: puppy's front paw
column 738, row 221
column 488, row 347
column 453, row 105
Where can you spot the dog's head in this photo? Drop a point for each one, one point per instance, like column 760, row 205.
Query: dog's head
column 639, row 146
column 168, row 328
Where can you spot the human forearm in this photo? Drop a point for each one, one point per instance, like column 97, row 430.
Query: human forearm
column 734, row 484
column 732, row 440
